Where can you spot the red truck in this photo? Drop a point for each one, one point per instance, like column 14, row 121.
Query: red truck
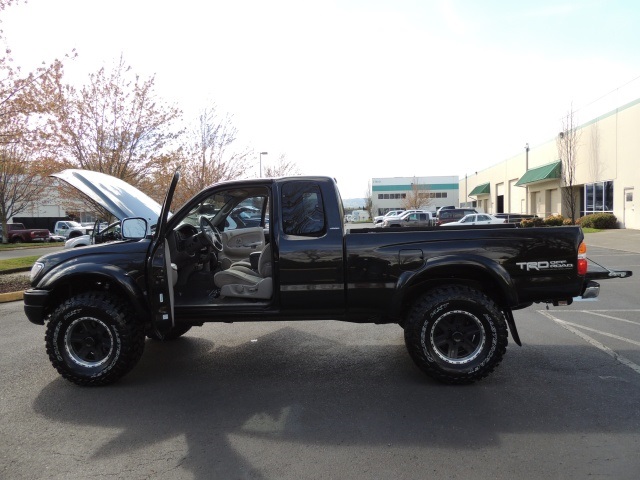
column 17, row 233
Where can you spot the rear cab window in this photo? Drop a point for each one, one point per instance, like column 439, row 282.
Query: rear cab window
column 303, row 212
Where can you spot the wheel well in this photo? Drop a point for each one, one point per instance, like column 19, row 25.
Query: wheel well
column 85, row 283
column 473, row 277
column 74, row 234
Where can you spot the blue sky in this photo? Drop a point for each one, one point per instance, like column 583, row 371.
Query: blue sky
column 360, row 89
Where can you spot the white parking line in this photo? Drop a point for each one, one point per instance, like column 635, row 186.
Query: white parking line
column 596, row 310
column 568, row 326
column 600, row 332
column 612, row 318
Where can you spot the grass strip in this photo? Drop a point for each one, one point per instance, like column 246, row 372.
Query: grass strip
column 21, row 262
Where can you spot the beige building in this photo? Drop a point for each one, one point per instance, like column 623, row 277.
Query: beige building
column 606, row 174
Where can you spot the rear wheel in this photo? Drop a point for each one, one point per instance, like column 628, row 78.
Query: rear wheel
column 94, row 339
column 456, row 334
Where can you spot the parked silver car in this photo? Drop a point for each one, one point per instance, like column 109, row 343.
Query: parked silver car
column 377, row 221
column 411, row 218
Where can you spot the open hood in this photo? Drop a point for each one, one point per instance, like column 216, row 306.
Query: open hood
column 114, row 195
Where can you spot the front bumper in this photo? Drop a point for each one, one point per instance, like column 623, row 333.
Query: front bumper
column 35, row 302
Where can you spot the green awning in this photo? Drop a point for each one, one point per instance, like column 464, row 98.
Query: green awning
column 538, row 174
column 484, row 189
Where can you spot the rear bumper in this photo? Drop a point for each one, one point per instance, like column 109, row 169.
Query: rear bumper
column 591, row 290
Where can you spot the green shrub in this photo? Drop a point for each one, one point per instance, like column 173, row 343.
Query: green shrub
column 600, row 221
column 554, row 220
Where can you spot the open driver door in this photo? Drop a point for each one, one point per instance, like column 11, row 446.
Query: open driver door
column 159, row 271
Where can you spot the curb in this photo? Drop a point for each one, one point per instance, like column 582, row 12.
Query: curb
column 15, row 270
column 11, row 297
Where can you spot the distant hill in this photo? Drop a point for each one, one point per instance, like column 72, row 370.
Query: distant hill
column 353, row 202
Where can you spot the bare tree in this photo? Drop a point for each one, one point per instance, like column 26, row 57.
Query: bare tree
column 24, row 99
column 20, row 186
column 282, row 168
column 114, row 124
column 210, row 154
column 567, row 145
column 417, row 197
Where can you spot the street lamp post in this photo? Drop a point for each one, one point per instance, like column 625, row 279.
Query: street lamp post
column 261, row 153
column 526, row 187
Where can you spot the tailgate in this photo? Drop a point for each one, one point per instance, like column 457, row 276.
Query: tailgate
column 600, row 273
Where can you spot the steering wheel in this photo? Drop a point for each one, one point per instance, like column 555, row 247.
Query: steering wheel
column 211, row 233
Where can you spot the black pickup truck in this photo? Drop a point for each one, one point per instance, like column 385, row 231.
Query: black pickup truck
column 275, row 249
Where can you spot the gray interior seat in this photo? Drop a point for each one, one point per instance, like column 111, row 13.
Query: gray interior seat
column 245, row 283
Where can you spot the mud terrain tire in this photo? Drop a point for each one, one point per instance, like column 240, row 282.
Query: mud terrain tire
column 94, row 339
column 456, row 334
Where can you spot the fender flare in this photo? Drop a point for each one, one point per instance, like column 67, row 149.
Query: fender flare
column 108, row 272
column 483, row 265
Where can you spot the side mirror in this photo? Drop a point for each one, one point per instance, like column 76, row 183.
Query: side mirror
column 134, row 228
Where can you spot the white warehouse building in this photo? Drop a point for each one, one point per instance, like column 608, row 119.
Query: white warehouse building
column 390, row 193
column 607, row 171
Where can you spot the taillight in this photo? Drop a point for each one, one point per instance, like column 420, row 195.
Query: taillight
column 582, row 259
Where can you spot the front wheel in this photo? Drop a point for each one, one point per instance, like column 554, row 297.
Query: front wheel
column 456, row 334
column 94, row 339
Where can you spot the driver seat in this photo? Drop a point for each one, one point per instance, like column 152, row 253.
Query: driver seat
column 239, row 283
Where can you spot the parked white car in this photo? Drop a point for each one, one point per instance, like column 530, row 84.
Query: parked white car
column 104, row 235
column 475, row 219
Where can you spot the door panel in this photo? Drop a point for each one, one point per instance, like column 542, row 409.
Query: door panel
column 160, row 274
column 239, row 244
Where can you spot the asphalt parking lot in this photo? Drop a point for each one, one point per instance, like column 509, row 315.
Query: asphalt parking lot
column 325, row 399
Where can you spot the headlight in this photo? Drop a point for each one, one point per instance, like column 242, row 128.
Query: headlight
column 35, row 270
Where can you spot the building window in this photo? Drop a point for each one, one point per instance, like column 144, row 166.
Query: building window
column 598, row 197
column 379, row 196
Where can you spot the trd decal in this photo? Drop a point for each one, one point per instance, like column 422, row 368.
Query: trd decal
column 545, row 265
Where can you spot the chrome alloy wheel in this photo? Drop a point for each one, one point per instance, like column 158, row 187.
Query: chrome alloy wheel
column 89, row 342
column 457, row 337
